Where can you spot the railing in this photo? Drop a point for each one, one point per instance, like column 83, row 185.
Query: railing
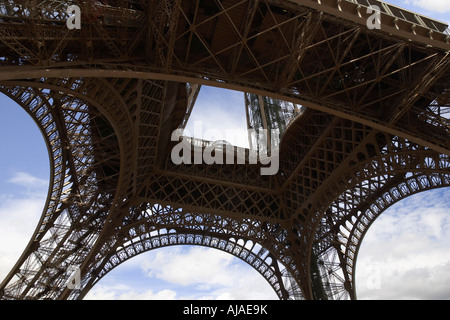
column 406, row 15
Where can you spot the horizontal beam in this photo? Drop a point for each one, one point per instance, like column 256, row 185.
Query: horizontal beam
column 390, row 25
column 37, row 73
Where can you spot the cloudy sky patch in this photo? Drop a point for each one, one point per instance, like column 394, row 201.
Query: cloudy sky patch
column 187, row 272
column 440, row 6
column 405, row 254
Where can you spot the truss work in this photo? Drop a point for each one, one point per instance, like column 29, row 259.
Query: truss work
column 363, row 117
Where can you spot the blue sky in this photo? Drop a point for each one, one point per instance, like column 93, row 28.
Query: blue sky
column 404, row 255
column 436, row 9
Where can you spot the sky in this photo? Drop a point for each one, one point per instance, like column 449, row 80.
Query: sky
column 405, row 254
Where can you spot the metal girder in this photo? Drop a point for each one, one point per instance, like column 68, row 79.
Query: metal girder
column 107, row 98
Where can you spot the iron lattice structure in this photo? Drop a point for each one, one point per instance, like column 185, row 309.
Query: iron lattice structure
column 373, row 129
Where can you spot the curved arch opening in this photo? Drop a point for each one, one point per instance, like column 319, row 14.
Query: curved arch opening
column 404, row 254
column 183, row 272
column 24, row 181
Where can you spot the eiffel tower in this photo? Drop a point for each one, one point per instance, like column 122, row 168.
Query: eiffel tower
column 361, row 111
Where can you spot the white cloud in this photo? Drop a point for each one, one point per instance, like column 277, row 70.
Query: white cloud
column 200, row 267
column 18, row 220
column 124, row 292
column 186, row 273
column 19, row 217
column 215, row 274
column 405, row 253
column 210, row 269
column 27, row 180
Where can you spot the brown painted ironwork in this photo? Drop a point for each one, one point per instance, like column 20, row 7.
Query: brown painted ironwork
column 373, row 129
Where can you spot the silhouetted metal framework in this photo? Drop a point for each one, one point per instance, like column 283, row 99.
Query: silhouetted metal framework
column 373, row 129
column 266, row 117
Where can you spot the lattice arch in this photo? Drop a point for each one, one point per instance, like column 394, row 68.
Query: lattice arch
column 82, row 185
column 250, row 253
column 162, row 226
column 344, row 224
column 363, row 220
column 379, row 160
column 376, row 101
